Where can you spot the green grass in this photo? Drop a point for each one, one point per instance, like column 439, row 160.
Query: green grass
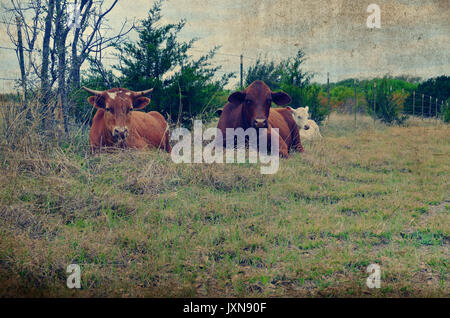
column 140, row 225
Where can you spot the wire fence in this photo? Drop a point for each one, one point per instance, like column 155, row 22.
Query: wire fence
column 415, row 104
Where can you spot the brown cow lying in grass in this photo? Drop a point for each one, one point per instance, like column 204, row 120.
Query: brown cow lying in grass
column 251, row 109
column 116, row 124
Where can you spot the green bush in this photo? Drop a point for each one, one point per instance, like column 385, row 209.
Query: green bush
column 446, row 116
column 388, row 104
column 307, row 96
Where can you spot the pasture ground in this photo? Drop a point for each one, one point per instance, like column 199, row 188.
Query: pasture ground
column 140, row 225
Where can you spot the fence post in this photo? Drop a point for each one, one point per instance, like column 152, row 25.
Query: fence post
column 242, row 71
column 356, row 99
column 414, row 101
column 374, row 101
column 328, row 90
column 431, row 105
column 423, row 96
column 436, row 108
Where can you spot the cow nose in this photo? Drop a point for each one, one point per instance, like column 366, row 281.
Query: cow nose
column 260, row 123
column 306, row 127
column 120, row 132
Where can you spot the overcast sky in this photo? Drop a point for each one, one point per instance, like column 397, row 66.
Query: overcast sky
column 414, row 38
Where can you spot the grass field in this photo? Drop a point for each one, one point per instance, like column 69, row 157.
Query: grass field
column 140, row 225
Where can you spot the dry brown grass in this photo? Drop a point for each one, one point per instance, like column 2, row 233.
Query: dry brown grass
column 140, row 225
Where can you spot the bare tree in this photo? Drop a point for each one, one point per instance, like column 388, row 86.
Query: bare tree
column 61, row 32
column 45, row 82
column 20, row 57
column 96, row 41
column 47, row 23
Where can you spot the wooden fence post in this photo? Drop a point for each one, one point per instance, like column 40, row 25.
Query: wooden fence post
column 374, row 101
column 436, row 108
column 356, row 99
column 423, row 96
column 242, row 71
column 328, row 90
column 431, row 105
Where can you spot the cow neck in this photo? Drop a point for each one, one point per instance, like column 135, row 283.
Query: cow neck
column 244, row 124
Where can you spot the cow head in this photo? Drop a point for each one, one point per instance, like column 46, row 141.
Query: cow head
column 256, row 101
column 301, row 116
column 117, row 104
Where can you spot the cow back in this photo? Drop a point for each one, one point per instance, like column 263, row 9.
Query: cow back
column 282, row 119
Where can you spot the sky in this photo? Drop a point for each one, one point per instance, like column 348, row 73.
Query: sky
column 414, row 38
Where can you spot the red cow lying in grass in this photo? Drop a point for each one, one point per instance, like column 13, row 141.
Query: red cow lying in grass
column 251, row 108
column 116, row 124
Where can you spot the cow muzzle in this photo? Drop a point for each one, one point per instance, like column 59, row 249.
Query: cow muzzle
column 260, row 123
column 307, row 127
column 120, row 134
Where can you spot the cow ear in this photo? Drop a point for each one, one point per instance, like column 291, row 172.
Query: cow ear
column 140, row 102
column 219, row 112
column 281, row 98
column 237, row 98
column 290, row 109
column 97, row 101
column 307, row 108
